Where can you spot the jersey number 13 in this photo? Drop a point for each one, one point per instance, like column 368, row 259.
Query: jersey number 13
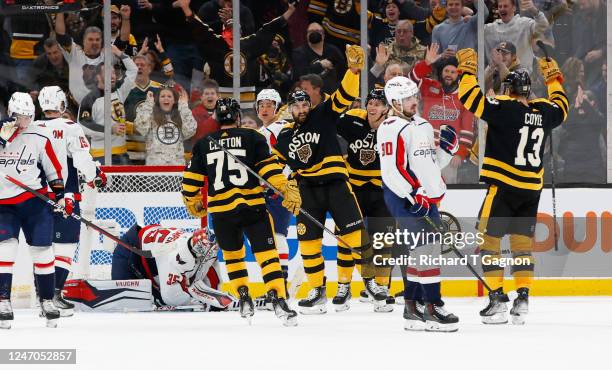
column 533, row 155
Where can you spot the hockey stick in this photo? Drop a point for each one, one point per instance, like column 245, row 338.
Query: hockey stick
column 459, row 254
column 277, row 192
column 553, row 166
column 58, row 207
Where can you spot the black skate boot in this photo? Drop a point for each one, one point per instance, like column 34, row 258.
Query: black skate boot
column 376, row 293
column 520, row 307
column 438, row 319
column 49, row 312
column 65, row 308
column 282, row 310
column 342, row 300
column 245, row 303
column 315, row 303
column 263, row 303
column 495, row 312
column 389, row 301
column 413, row 317
column 6, row 314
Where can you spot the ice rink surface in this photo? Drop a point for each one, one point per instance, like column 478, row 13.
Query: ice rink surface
column 561, row 333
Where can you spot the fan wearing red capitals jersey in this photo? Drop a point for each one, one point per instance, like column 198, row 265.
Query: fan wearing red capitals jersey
column 412, row 184
column 183, row 271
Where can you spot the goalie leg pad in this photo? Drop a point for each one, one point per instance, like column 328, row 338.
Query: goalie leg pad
column 110, row 295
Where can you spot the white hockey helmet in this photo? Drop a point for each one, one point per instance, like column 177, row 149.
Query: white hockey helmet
column 52, row 98
column 268, row 94
column 399, row 88
column 21, row 103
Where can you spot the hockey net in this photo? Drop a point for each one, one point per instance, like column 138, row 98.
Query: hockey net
column 143, row 194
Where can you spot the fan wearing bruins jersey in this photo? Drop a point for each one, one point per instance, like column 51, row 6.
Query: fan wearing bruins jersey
column 310, row 147
column 236, row 203
column 358, row 128
column 513, row 169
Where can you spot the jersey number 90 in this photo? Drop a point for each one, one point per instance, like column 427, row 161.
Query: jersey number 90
column 238, row 174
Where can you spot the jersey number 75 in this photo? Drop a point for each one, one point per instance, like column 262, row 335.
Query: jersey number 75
column 238, row 174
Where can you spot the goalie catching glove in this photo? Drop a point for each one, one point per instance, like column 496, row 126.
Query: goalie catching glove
column 355, row 57
column 468, row 61
column 550, row 70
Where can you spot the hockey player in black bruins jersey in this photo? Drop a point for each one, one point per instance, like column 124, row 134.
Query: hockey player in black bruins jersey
column 237, row 206
column 311, row 149
column 513, row 169
column 358, row 128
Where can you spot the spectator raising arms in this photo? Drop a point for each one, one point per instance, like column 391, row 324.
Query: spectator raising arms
column 203, row 110
column 165, row 121
column 503, row 61
column 455, row 33
column 91, row 111
column 520, row 30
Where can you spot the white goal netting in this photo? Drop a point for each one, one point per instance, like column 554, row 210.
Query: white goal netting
column 145, row 194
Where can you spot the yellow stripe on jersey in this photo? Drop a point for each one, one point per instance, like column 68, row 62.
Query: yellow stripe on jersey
column 359, row 113
column 470, row 94
column 192, row 183
column 230, row 193
column 279, row 155
column 362, row 177
column 346, row 93
column 332, row 160
column 231, row 206
column 512, row 169
column 509, row 181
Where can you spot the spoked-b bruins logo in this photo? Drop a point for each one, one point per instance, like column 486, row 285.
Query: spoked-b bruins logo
column 301, row 228
column 343, row 6
column 168, row 133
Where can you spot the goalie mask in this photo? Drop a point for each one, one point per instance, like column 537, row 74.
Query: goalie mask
column 22, row 108
column 517, row 83
column 203, row 244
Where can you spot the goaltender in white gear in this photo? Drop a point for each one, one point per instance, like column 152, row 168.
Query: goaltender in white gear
column 182, row 261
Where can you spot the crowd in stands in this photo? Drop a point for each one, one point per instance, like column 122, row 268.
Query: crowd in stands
column 172, row 59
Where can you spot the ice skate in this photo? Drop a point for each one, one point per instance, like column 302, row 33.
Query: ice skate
column 65, row 307
column 364, row 297
column 376, row 293
column 399, row 298
column 389, row 302
column 49, row 312
column 263, row 303
column 282, row 310
column 413, row 317
column 247, row 309
column 342, row 300
column 438, row 319
column 6, row 314
column 520, row 307
column 315, row 303
column 496, row 310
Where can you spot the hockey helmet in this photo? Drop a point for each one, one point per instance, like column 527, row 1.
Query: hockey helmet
column 203, row 244
column 227, row 111
column 298, row 95
column 376, row 94
column 399, row 88
column 268, row 94
column 21, row 104
column 52, row 98
column 517, row 83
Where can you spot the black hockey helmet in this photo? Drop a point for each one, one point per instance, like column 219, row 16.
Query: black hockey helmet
column 517, row 83
column 298, row 95
column 227, row 111
column 376, row 94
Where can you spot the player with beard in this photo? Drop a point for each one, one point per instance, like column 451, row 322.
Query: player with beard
column 310, row 147
column 358, row 127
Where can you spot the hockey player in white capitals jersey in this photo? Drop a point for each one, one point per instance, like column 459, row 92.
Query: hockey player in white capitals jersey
column 69, row 139
column 183, row 261
column 412, row 183
column 26, row 155
column 267, row 105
